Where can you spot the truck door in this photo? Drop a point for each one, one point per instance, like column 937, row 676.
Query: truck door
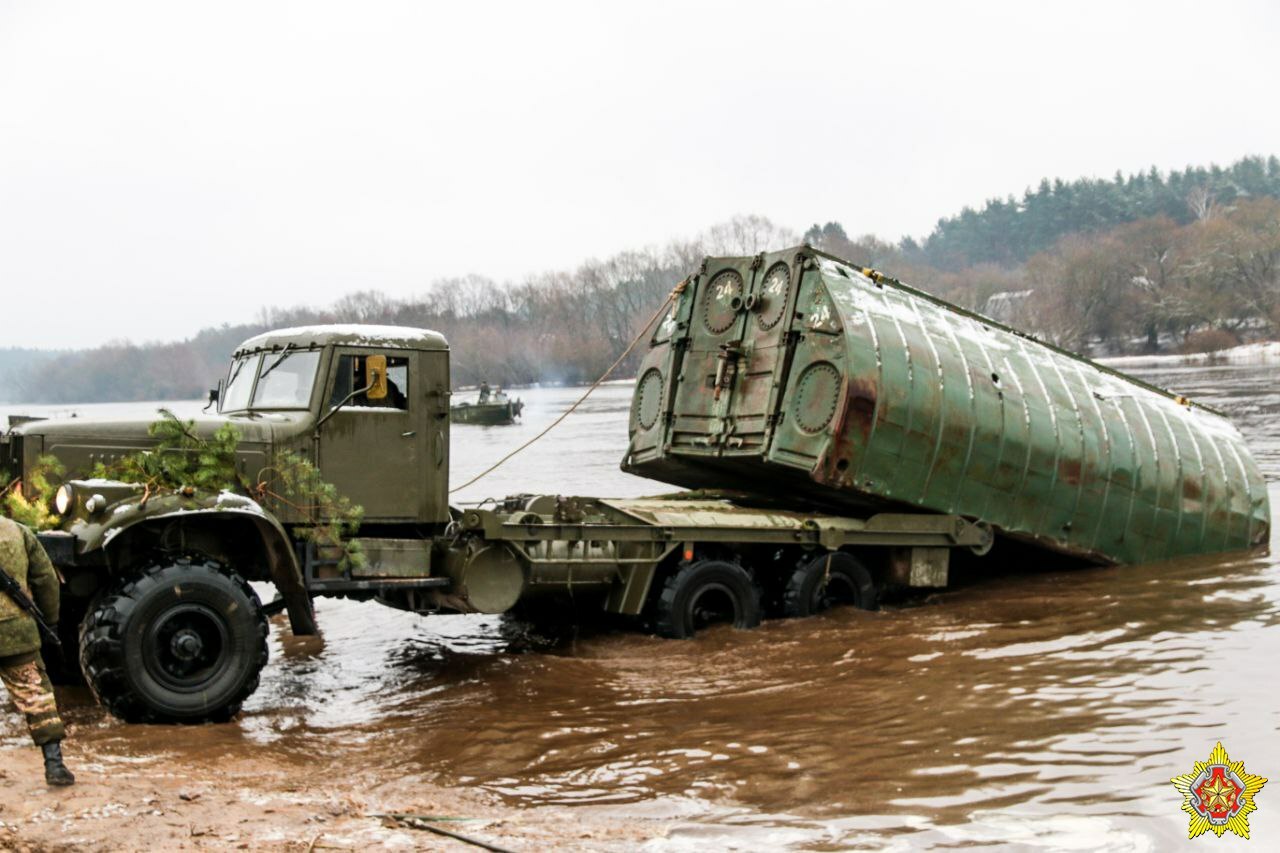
column 373, row 450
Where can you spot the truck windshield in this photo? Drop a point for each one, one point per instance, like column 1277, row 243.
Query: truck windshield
column 235, row 396
column 286, row 381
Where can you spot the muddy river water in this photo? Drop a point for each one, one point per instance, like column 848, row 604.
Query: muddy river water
column 1024, row 706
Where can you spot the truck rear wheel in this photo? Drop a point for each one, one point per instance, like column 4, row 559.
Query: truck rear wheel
column 827, row 581
column 706, row 592
column 183, row 641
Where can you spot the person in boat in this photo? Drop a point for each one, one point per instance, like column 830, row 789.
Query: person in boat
column 484, row 391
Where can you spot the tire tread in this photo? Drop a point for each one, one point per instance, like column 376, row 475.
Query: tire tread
column 669, row 617
column 102, row 649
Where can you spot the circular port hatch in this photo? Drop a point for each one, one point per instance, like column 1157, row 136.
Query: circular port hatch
column 721, row 302
column 817, row 393
column 774, row 292
column 648, row 398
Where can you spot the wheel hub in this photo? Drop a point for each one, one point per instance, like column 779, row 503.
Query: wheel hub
column 186, row 645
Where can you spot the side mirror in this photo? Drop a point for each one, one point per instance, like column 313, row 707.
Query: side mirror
column 376, row 369
column 214, row 395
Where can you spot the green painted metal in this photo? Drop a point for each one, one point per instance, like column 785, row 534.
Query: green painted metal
column 583, row 543
column 804, row 377
column 392, row 461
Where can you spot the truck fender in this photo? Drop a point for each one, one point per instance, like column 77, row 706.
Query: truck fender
column 117, row 525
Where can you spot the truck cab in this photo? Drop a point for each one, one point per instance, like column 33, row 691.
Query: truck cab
column 169, row 571
column 368, row 404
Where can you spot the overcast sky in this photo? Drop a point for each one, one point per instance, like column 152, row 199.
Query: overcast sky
column 167, row 166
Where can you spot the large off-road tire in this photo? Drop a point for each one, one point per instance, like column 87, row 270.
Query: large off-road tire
column 703, row 593
column 827, row 581
column 181, row 641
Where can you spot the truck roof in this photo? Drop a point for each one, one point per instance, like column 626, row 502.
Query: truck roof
column 354, row 334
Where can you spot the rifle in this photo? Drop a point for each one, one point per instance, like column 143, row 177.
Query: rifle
column 14, row 590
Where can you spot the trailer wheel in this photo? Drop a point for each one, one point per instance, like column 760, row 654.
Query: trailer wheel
column 182, row 641
column 827, row 581
column 703, row 593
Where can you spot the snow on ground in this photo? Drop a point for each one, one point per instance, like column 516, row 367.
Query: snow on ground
column 1258, row 353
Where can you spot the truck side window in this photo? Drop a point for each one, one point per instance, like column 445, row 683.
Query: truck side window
column 351, row 376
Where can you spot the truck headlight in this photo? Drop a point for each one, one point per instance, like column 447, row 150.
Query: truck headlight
column 63, row 500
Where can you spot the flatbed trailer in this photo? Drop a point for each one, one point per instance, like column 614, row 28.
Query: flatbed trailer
column 612, row 551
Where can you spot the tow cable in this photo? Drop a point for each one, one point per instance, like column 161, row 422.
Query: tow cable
column 675, row 291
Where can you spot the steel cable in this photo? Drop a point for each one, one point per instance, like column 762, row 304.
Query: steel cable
column 675, row 291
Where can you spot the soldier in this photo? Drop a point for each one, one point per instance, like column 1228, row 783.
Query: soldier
column 21, row 669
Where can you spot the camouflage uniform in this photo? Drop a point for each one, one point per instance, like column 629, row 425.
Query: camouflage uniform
column 21, row 668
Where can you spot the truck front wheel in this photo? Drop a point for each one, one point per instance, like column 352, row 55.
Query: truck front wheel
column 706, row 592
column 183, row 641
column 826, row 581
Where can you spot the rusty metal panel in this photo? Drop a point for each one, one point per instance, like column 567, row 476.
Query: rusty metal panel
column 920, row 567
column 800, row 374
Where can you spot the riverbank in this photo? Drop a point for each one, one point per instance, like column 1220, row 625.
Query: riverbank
column 246, row 801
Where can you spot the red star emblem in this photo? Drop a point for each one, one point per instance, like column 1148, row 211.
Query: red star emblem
column 1219, row 794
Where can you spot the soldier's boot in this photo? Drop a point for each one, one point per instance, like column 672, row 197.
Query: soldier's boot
column 55, row 772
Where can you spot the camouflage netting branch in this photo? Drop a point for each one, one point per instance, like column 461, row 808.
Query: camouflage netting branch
column 181, row 461
column 336, row 519
column 31, row 503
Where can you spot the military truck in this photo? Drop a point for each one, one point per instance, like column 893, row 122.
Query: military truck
column 156, row 586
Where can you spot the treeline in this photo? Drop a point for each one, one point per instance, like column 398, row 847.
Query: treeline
column 15, row 364
column 1146, row 285
column 1008, row 231
column 1187, row 261
column 124, row 371
column 565, row 326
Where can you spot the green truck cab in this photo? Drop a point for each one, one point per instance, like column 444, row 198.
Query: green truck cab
column 306, row 390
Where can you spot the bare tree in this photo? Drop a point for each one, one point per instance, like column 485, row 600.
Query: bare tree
column 1202, row 203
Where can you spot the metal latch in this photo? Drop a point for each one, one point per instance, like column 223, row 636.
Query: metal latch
column 726, row 366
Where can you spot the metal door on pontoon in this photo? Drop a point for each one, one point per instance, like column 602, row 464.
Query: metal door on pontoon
column 736, row 356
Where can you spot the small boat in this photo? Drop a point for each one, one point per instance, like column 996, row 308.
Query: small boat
column 497, row 410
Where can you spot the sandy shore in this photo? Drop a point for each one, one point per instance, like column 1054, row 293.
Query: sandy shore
column 147, row 803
